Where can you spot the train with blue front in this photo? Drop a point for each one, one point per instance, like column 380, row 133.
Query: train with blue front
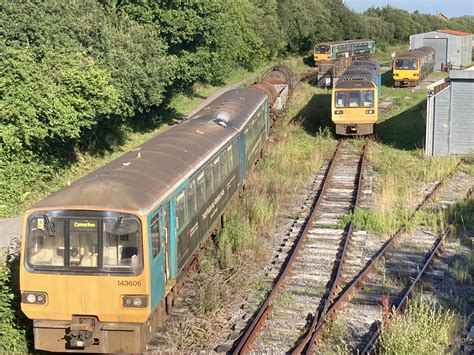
column 102, row 260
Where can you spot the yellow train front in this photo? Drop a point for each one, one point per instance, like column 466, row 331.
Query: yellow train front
column 354, row 103
column 413, row 66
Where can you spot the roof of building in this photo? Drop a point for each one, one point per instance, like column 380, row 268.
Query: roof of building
column 461, row 74
column 142, row 177
column 442, row 16
column 453, row 32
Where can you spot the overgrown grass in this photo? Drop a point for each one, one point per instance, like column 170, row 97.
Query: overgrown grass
column 424, row 328
column 13, row 337
column 334, row 338
column 399, row 176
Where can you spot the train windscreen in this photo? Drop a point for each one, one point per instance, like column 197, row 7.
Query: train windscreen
column 405, row 64
column 322, row 49
column 84, row 241
column 354, row 98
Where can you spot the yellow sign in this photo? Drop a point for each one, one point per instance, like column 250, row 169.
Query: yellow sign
column 40, row 224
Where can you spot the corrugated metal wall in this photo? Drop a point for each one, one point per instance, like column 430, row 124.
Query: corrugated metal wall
column 450, row 120
column 462, row 117
column 449, row 48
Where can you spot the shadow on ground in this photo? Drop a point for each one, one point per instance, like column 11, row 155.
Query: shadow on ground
column 387, row 79
column 405, row 130
column 316, row 115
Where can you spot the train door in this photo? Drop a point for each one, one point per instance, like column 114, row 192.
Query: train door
column 165, row 236
column 157, row 257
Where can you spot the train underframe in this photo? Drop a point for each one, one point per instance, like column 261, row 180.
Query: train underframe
column 355, row 129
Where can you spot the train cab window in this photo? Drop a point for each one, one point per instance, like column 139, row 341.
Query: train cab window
column 83, row 240
column 354, row 99
column 180, row 210
column 340, row 98
column 322, row 49
column 44, row 247
column 368, row 97
column 201, row 190
column 155, row 236
column 216, row 172
column 209, row 182
column 405, row 64
column 191, row 196
column 121, row 243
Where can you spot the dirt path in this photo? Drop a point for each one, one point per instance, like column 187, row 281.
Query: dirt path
column 11, row 227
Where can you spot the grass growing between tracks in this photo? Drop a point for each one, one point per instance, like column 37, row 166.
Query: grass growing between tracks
column 230, row 271
column 398, row 186
column 424, row 328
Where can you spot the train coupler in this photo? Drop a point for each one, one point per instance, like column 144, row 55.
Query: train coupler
column 81, row 333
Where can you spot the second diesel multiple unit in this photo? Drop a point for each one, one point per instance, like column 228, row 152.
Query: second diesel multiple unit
column 102, row 259
column 356, row 49
column 413, row 66
column 354, row 103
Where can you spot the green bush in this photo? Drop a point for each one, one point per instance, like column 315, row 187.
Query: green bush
column 12, row 334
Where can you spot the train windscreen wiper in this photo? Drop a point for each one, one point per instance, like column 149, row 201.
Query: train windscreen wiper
column 51, row 230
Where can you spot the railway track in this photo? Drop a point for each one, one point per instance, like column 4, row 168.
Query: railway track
column 396, row 264
column 313, row 262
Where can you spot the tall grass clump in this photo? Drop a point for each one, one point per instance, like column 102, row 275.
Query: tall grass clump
column 399, row 180
column 424, row 328
column 12, row 335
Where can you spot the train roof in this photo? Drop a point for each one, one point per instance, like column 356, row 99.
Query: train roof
column 140, row 178
column 416, row 53
column 360, row 71
column 330, row 43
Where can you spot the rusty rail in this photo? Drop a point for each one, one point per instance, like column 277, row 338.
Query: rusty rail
column 370, row 347
column 360, row 278
column 318, row 319
column 258, row 323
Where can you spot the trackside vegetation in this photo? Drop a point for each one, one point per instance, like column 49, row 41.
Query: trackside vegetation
column 240, row 249
column 13, row 333
column 77, row 78
column 424, row 328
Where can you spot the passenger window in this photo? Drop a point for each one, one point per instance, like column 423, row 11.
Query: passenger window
column 155, row 236
column 223, row 159
column 191, row 196
column 201, row 190
column 209, row 182
column 180, row 211
column 217, row 173
column 230, row 159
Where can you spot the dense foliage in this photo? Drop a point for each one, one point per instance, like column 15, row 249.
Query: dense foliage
column 76, row 76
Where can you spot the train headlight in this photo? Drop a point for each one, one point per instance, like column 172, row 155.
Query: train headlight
column 415, row 75
column 369, row 111
column 396, row 74
column 34, row 297
column 338, row 112
column 135, row 301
